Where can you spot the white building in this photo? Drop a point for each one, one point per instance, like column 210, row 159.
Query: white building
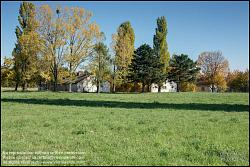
column 86, row 85
column 166, row 87
column 82, row 83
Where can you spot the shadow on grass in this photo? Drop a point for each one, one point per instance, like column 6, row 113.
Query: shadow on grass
column 30, row 91
column 134, row 105
column 20, row 91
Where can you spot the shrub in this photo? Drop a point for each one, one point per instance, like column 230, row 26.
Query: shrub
column 188, row 87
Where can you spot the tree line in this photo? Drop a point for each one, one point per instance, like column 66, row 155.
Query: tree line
column 54, row 45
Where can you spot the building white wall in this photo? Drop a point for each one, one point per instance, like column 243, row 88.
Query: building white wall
column 87, row 85
column 166, row 87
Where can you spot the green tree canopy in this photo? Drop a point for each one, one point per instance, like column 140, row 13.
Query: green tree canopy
column 123, row 46
column 238, row 81
column 182, row 69
column 100, row 64
column 145, row 66
column 27, row 46
column 161, row 47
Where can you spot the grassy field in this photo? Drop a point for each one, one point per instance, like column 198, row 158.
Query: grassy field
column 130, row 129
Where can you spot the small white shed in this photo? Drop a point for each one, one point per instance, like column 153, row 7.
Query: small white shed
column 86, row 85
column 166, row 87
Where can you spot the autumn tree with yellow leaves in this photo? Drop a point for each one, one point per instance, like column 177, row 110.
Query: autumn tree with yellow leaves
column 214, row 69
column 81, row 35
column 7, row 72
column 68, row 38
column 52, row 32
column 27, row 47
column 123, row 47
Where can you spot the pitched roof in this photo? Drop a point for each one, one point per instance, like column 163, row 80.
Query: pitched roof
column 76, row 80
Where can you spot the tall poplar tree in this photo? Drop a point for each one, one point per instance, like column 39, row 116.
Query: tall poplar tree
column 161, row 47
column 123, row 46
column 27, row 46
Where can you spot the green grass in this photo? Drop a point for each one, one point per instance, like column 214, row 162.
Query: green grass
column 130, row 129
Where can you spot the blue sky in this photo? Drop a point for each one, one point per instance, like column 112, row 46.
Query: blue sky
column 193, row 27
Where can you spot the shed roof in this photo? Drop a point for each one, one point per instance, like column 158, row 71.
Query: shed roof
column 76, row 80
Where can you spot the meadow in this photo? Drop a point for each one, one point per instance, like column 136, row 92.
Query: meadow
column 130, row 129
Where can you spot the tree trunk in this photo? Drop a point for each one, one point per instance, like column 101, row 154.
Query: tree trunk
column 177, row 87
column 98, row 86
column 55, row 76
column 24, row 86
column 178, row 84
column 127, row 87
column 212, row 88
column 114, row 80
column 70, row 67
column 39, row 85
column 97, row 90
column 143, row 87
column 99, row 73
column 54, row 86
column 16, row 86
column 70, row 85
column 159, row 88
column 148, row 88
column 134, row 86
column 113, row 88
